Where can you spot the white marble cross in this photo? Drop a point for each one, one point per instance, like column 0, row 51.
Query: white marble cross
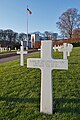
column 54, row 48
column 1, row 49
column 9, row 49
column 22, row 52
column 70, row 46
column 39, row 49
column 65, row 49
column 15, row 48
column 22, row 43
column 46, row 63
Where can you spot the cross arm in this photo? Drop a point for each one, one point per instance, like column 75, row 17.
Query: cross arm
column 34, row 63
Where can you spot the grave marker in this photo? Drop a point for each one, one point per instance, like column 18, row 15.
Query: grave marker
column 1, row 49
column 22, row 52
column 15, row 48
column 46, row 63
column 54, row 48
column 9, row 48
column 22, row 43
column 70, row 46
column 65, row 49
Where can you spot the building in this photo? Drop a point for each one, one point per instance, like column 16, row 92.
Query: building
column 34, row 38
column 37, row 37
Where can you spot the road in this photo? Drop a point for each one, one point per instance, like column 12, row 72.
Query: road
column 8, row 59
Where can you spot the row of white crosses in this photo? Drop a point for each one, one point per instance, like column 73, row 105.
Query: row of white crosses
column 46, row 63
column 66, row 49
column 56, row 47
column 22, row 52
column 70, row 46
column 2, row 49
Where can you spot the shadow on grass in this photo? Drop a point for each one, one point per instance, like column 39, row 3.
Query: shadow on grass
column 58, row 103
column 73, row 63
column 72, row 105
column 29, row 100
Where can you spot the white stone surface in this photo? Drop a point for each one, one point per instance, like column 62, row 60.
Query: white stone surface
column 22, row 52
column 46, row 63
column 66, row 50
column 15, row 48
column 1, row 49
column 22, row 43
column 9, row 49
column 27, row 48
column 54, row 48
column 70, row 46
column 39, row 49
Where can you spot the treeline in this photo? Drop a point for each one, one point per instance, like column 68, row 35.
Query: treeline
column 9, row 38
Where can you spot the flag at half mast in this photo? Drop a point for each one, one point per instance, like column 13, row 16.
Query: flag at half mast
column 29, row 11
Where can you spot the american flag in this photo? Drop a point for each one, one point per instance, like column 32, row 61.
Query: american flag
column 30, row 12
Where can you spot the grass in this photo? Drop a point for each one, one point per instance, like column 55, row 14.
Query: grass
column 7, row 51
column 20, row 91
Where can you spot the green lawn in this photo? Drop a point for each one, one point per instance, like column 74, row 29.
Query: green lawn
column 20, row 91
column 29, row 50
column 7, row 51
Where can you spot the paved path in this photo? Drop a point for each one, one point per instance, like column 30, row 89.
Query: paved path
column 8, row 59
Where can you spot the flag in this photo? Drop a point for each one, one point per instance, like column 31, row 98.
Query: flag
column 30, row 12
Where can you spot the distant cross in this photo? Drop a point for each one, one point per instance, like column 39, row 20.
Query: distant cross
column 1, row 49
column 54, row 48
column 22, row 43
column 66, row 50
column 70, row 46
column 22, row 52
column 46, row 63
column 9, row 49
column 39, row 49
column 15, row 48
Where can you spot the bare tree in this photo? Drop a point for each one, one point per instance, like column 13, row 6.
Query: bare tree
column 76, row 33
column 68, row 21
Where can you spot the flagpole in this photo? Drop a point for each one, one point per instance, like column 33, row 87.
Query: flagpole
column 27, row 27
